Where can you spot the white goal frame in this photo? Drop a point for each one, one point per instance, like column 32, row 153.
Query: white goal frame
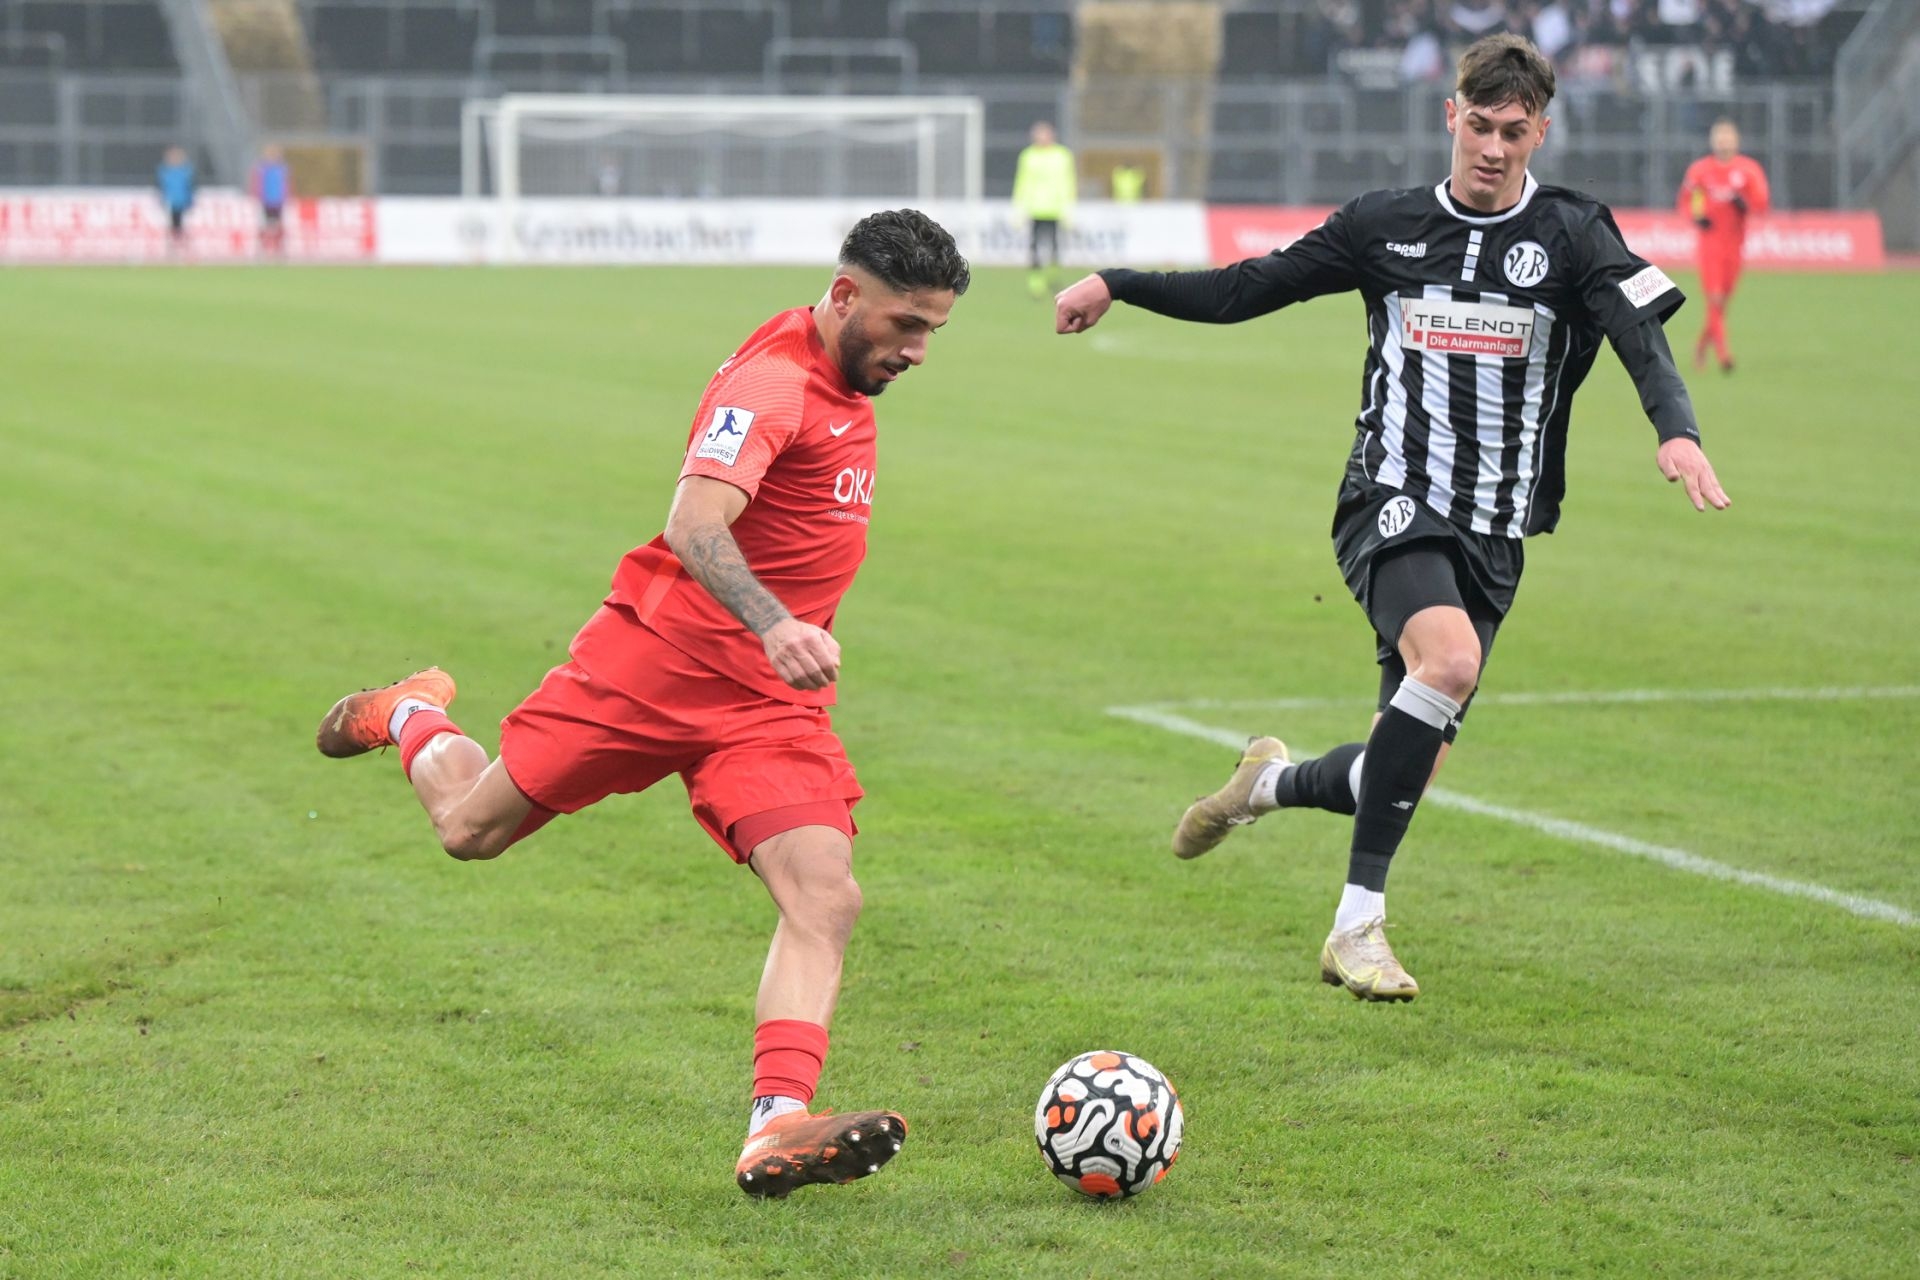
column 502, row 117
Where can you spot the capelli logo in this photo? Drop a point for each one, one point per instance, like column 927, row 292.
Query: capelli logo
column 1418, row 250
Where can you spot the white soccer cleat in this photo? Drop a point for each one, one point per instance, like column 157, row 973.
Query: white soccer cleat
column 1360, row 960
column 1210, row 819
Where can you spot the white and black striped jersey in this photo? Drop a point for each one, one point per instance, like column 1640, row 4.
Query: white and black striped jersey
column 1480, row 327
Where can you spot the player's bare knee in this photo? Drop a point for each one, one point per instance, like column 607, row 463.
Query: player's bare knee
column 1454, row 671
column 827, row 906
column 834, row 904
column 469, row 843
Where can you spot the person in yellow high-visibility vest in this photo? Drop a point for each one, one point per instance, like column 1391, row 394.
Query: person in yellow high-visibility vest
column 1044, row 187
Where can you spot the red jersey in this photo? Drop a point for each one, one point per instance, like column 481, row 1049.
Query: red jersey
column 779, row 422
column 1709, row 188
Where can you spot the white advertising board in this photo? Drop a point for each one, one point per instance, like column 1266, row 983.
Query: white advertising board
column 748, row 232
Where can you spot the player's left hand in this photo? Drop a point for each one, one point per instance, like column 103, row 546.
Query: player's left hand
column 1079, row 306
column 803, row 655
column 1682, row 461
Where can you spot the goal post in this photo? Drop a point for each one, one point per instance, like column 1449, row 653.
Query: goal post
column 522, row 146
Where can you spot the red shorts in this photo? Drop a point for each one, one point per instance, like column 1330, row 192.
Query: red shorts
column 753, row 767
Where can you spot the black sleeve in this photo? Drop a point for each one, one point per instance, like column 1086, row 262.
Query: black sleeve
column 1320, row 262
column 1644, row 351
column 1619, row 288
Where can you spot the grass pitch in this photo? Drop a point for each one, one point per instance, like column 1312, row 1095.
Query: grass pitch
column 252, row 1022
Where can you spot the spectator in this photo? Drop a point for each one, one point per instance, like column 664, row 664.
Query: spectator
column 175, row 178
column 1423, row 58
column 1553, row 28
column 1477, row 18
column 1337, row 27
column 272, row 187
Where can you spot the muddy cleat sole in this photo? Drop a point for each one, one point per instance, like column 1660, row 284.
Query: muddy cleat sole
column 1360, row 960
column 357, row 723
column 797, row 1150
column 1210, row 819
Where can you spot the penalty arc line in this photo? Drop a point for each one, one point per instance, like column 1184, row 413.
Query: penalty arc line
column 1576, row 832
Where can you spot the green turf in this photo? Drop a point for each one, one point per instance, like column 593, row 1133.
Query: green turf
column 252, row 1021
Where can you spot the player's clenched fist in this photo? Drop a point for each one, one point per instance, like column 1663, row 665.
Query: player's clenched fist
column 1079, row 306
column 805, row 656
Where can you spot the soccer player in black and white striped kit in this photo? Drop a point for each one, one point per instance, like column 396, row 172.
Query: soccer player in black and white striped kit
column 1487, row 297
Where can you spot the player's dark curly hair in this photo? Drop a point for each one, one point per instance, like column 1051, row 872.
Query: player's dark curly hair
column 907, row 250
column 1496, row 70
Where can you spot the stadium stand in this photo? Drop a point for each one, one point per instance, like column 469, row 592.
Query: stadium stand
column 85, row 35
column 1303, row 101
column 1408, row 39
column 691, row 37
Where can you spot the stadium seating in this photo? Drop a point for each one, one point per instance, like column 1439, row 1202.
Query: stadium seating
column 85, row 35
column 948, row 38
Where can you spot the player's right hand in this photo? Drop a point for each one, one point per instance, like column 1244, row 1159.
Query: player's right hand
column 1079, row 306
column 803, row 655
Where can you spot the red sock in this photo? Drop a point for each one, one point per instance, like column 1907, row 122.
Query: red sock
column 787, row 1057
column 417, row 730
column 1717, row 328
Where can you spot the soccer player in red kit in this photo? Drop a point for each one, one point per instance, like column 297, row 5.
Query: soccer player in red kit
column 713, row 658
column 1720, row 192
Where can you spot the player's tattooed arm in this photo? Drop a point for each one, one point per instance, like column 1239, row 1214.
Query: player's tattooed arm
column 714, row 560
column 698, row 533
column 800, row 653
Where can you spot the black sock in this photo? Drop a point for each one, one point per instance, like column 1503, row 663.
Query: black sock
column 1320, row 783
column 1400, row 756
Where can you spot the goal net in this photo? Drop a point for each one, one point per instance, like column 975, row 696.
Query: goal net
column 719, row 148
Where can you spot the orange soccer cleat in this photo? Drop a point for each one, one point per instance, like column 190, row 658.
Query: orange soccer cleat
column 796, row 1149
column 358, row 722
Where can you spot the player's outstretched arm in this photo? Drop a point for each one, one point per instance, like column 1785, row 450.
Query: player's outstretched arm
column 1318, row 263
column 803, row 655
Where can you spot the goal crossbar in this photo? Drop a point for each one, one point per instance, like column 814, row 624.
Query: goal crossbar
column 501, row 122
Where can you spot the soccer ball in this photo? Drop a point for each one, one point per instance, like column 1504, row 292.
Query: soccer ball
column 1108, row 1124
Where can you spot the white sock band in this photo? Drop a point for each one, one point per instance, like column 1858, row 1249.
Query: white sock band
column 1353, row 776
column 770, row 1108
column 405, row 708
column 1427, row 705
column 1266, row 784
column 1358, row 905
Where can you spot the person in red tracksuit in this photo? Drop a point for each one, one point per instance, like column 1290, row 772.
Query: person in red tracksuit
column 1720, row 192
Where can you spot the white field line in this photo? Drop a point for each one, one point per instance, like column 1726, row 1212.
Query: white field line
column 1592, row 697
column 1560, row 828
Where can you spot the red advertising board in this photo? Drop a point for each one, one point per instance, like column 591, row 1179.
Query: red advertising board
column 1236, row 231
column 130, row 226
column 1782, row 241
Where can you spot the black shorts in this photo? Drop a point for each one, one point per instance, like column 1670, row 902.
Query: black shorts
column 1477, row 572
column 270, row 214
column 1047, row 229
column 177, row 220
